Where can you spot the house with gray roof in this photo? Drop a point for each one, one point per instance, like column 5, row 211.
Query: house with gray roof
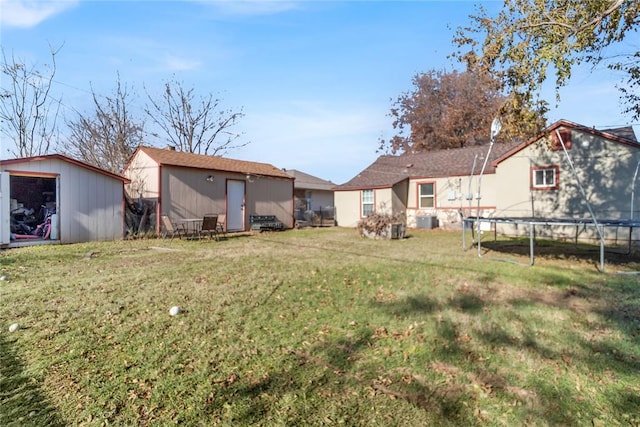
column 534, row 178
column 187, row 186
column 438, row 185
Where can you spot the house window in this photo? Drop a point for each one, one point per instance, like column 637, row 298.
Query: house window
column 545, row 178
column 367, row 202
column 426, row 195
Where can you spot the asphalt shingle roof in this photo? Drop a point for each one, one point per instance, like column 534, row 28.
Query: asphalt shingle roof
column 309, row 182
column 200, row 161
column 388, row 170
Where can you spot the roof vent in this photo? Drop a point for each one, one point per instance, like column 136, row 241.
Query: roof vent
column 171, row 148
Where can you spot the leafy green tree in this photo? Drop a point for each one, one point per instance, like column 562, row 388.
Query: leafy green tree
column 528, row 39
column 454, row 109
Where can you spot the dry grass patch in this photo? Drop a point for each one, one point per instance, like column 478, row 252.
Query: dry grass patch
column 313, row 327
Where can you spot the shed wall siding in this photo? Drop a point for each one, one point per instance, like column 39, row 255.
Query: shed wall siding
column 270, row 196
column 186, row 193
column 91, row 206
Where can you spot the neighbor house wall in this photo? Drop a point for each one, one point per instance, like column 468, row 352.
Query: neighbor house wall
column 320, row 199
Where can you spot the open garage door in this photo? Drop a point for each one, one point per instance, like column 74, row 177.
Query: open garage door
column 32, row 206
column 5, row 226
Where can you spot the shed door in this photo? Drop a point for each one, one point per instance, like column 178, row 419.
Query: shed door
column 235, row 205
column 5, row 225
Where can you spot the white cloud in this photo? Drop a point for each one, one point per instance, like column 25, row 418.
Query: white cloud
column 252, row 7
column 29, row 13
column 175, row 63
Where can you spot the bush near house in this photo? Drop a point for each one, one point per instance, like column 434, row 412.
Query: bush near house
column 382, row 226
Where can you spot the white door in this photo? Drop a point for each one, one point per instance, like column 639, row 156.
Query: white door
column 5, row 214
column 235, row 205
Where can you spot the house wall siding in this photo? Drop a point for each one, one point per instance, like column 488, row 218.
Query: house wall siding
column 143, row 173
column 451, row 197
column 321, row 199
column 348, row 205
column 347, row 208
column 603, row 168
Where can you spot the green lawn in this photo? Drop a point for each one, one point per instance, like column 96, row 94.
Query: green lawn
column 318, row 327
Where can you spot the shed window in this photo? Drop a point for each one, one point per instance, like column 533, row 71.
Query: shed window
column 545, row 178
column 427, row 195
column 367, row 202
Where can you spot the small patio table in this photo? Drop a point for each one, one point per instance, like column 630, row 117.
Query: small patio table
column 192, row 225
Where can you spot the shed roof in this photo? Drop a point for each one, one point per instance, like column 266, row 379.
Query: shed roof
column 63, row 158
column 388, row 170
column 308, row 182
column 201, row 161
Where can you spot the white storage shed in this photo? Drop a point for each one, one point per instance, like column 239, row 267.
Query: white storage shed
column 74, row 201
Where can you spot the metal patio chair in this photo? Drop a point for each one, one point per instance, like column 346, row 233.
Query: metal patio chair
column 221, row 227
column 169, row 229
column 209, row 227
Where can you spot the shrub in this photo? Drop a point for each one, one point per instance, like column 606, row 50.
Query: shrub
column 377, row 224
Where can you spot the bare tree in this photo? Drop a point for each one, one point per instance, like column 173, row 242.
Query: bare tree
column 107, row 137
column 28, row 111
column 194, row 126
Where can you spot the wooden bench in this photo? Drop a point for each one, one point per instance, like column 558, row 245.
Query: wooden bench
column 265, row 223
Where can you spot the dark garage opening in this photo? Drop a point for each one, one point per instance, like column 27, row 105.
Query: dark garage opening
column 33, row 207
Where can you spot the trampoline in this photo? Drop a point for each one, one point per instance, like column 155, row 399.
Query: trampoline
column 580, row 223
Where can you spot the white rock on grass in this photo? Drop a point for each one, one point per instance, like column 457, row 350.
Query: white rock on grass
column 174, row 310
column 3, row 278
column 14, row 327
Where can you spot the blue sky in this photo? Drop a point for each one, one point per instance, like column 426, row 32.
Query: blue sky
column 315, row 79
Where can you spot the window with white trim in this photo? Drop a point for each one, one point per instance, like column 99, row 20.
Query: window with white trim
column 545, row 177
column 427, row 195
column 367, row 202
